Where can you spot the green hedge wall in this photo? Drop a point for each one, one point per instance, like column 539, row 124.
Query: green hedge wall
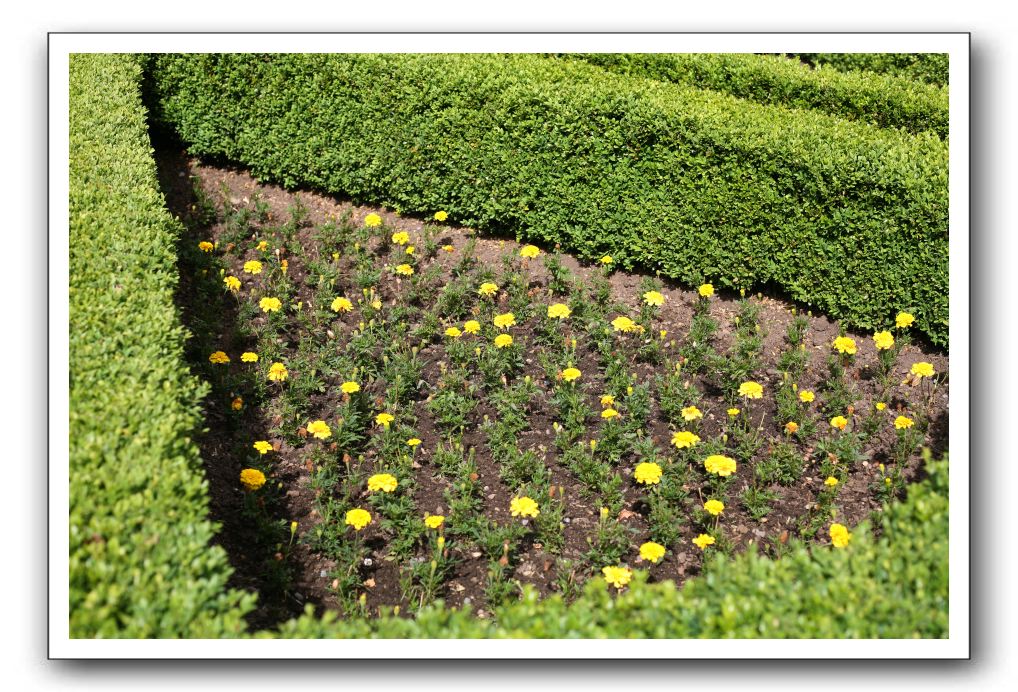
column 843, row 216
column 884, row 100
column 140, row 560
column 932, row 68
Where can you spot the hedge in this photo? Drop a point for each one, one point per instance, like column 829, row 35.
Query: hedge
column 140, row 560
column 884, row 100
column 931, row 68
column 845, row 217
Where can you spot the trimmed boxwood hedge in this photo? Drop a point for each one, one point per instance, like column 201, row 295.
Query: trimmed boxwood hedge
column 698, row 185
column 881, row 99
column 140, row 560
column 932, row 68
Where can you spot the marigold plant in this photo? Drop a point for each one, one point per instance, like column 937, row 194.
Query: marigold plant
column 372, row 220
column 652, row 552
column 706, row 290
column 252, row 479
column 342, row 304
column 253, row 267
column 703, row 540
column 263, row 446
column 647, row 473
column 840, row 535
column 278, row 372
column 358, row 518
column 720, row 465
column 249, row 357
column 523, row 507
column 384, row 482
column 617, row 576
column 505, row 320
column 350, row 387
column 559, row 311
column 844, row 344
column 219, row 358
column 684, row 439
column 269, row 304
column 503, row 340
column 530, row 251
column 653, row 298
column 714, row 507
column 751, row 390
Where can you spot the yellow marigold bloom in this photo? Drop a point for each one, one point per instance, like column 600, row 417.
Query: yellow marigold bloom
column 706, row 290
column 559, row 311
column 270, row 304
column 703, row 540
column 903, row 423
column 320, row 429
column 433, row 521
column 609, row 413
column 262, row 246
column 607, row 400
column 372, row 220
column 720, row 465
column 205, row 246
column 358, row 518
column 691, row 413
column 751, row 390
column 503, row 340
column 252, row 479
column 623, row 324
column 448, row 248
column 733, row 412
column 401, row 238
column 647, row 473
column 219, row 358
column 904, row 320
column 806, row 396
column 413, row 441
column 922, row 369
column 530, row 251
column 684, row 439
column 471, row 326
column 253, row 267
column 237, row 403
column 651, row 551
column 523, row 507
column 505, row 321
column 653, row 298
column 570, row 374
column 617, row 576
column 342, row 305
column 831, row 481
column 405, row 270
column 606, row 260
column 839, row 536
column 232, row 283
column 249, row 357
column 385, row 482
column 284, row 265
column 791, row 427
column 350, row 387
column 384, row 419
column 488, row 289
column 278, row 372
column 441, row 216
column 453, row 332
column 714, row 507
column 880, row 406
column 843, row 344
column 839, row 422
column 410, row 249
column 263, row 447
column 883, row 340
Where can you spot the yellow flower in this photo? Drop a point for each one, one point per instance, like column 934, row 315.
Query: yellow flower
column 791, row 427
column 751, row 390
column 471, row 326
column 922, row 369
column 684, row 439
column 839, row 422
column 720, row 465
column 529, row 251
column 653, row 298
column 623, row 324
column 806, row 396
column 448, row 248
column 284, row 265
column 405, row 270
column 607, row 400
column 703, row 540
column 843, row 344
column 441, row 216
column 384, row 419
column 262, row 246
column 454, row 332
column 523, row 507
column 249, row 357
column 401, row 238
column 253, row 267
column 263, row 447
column 219, row 358
column 903, row 423
column 350, row 387
column 904, row 320
column 609, row 413
column 410, row 249
column 413, row 441
column 372, row 220
column 606, row 260
column 358, row 518
column 883, row 340
column 232, row 283
column 385, row 482
column 503, row 340
column 831, row 481
column 733, row 412
column 278, row 372
column 320, row 429
column 342, row 305
column 433, row 521
column 647, row 473
column 205, row 246
column 706, row 290
column 505, row 321
column 839, row 536
column 880, row 406
column 252, row 479
column 651, row 551
column 237, row 403
column 714, row 507
column 570, row 374
column 270, row 304
column 691, row 413
column 617, row 576
column 488, row 289
column 559, row 311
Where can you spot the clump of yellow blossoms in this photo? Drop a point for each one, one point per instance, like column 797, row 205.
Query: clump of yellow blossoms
column 384, row 419
column 791, row 427
column 530, row 251
column 488, row 289
column 839, row 536
column 922, row 369
column 624, row 324
column 831, row 481
column 358, row 518
column 607, row 400
column 278, row 372
column 903, row 423
column 413, row 441
column 263, row 447
column 839, row 422
column 232, row 283
column 384, row 482
column 733, row 412
column 703, row 540
column 342, row 305
column 684, row 439
column 647, row 473
column 320, row 429
column 653, row 298
column 433, row 521
column 270, row 304
column 401, row 238
column 262, row 246
column 523, row 507
column 606, row 260
column 253, row 267
column 844, row 344
column 714, row 507
column 505, row 320
column 617, row 576
column 720, row 465
column 706, row 290
column 503, row 340
column 405, row 270
column 751, row 390
column 806, row 396
column 237, row 403
column 559, row 311
column 609, row 413
column 453, row 332
column 570, row 374
column 252, row 479
column 350, row 387
column 691, row 413
column 219, row 358
column 883, row 340
column 904, row 320
column 205, row 246
column 441, row 216
column 880, row 406
column 652, row 552
column 372, row 220
column 448, row 248
column 471, row 326
column 249, row 357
